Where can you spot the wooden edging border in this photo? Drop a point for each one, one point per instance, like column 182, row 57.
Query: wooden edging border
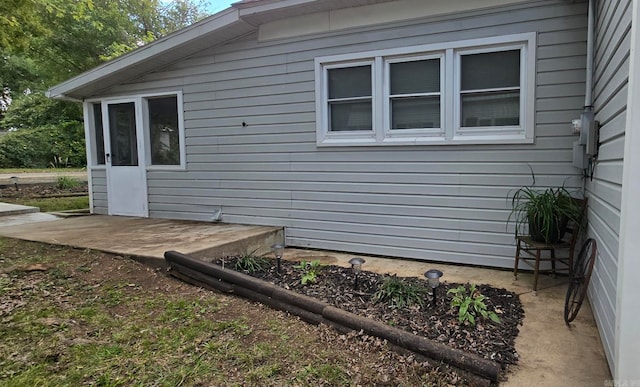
column 207, row 274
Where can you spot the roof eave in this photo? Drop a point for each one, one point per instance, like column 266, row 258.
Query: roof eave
column 144, row 54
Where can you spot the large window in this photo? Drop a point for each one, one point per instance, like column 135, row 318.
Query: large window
column 157, row 119
column 98, row 134
column 349, row 102
column 164, row 131
column 475, row 91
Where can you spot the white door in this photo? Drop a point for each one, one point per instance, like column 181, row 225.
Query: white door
column 126, row 174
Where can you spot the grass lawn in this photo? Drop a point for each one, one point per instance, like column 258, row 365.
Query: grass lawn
column 54, row 204
column 73, row 317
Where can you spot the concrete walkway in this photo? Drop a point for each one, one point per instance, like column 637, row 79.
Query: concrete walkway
column 551, row 354
column 41, row 177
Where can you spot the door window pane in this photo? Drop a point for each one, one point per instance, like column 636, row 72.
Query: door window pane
column 122, row 130
column 98, row 133
column 164, row 132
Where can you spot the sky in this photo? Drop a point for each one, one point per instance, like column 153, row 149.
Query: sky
column 218, row 5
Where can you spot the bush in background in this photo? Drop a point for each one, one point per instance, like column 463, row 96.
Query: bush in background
column 44, row 133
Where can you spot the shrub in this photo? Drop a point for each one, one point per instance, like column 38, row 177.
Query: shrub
column 470, row 303
column 66, row 182
column 400, row 293
column 251, row 263
column 45, row 132
column 310, row 271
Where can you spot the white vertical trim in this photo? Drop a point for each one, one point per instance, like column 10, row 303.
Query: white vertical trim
column 86, row 106
column 627, row 335
column 449, row 93
column 378, row 99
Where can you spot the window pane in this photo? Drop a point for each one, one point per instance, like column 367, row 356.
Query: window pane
column 98, row 133
column 422, row 76
column 163, row 130
column 350, row 116
column 122, row 133
column 415, row 113
column 350, row 82
column 491, row 70
column 491, row 109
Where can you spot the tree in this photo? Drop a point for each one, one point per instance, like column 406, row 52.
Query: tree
column 44, row 42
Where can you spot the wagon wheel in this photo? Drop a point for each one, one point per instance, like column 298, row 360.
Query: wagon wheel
column 580, row 276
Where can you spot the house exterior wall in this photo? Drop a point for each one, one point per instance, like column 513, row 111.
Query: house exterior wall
column 436, row 202
column 611, row 75
column 99, row 190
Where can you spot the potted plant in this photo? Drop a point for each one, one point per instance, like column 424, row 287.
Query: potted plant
column 545, row 211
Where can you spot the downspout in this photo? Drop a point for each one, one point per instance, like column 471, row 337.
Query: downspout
column 588, row 93
column 585, row 150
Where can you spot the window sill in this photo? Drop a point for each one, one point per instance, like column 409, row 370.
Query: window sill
column 152, row 168
column 432, row 140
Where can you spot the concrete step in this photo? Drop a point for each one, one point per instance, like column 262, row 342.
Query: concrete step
column 7, row 209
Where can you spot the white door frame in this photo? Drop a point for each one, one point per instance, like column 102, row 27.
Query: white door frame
column 126, row 185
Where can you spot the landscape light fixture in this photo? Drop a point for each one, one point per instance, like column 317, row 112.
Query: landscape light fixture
column 433, row 277
column 278, row 250
column 14, row 180
column 356, row 265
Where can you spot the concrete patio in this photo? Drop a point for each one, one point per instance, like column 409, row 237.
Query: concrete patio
column 551, row 354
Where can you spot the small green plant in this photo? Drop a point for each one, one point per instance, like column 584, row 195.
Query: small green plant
column 400, row 293
column 310, row 271
column 470, row 304
column 59, row 162
column 66, row 182
column 250, row 263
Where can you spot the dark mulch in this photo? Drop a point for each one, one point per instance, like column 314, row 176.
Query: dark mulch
column 40, row 190
column 439, row 322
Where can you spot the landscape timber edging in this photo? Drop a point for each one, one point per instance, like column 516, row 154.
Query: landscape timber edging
column 315, row 311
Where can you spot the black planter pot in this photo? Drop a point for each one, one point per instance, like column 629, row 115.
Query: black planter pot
column 554, row 235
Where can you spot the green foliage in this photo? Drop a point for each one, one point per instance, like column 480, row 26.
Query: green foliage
column 44, row 42
column 66, row 182
column 399, row 293
column 470, row 304
column 251, row 263
column 36, row 110
column 56, row 204
column 310, row 271
column 546, row 210
column 47, row 131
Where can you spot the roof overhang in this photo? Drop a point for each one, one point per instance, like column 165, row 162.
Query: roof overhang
column 240, row 19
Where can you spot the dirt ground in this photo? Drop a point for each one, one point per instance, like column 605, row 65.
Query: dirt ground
column 57, row 301
column 41, row 190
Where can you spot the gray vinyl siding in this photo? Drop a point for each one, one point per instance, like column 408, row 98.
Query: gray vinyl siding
column 611, row 76
column 99, row 190
column 444, row 203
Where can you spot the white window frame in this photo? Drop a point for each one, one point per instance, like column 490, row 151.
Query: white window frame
column 147, row 132
column 347, row 137
column 90, row 135
column 424, row 134
column 141, row 106
column 451, row 133
column 489, row 133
